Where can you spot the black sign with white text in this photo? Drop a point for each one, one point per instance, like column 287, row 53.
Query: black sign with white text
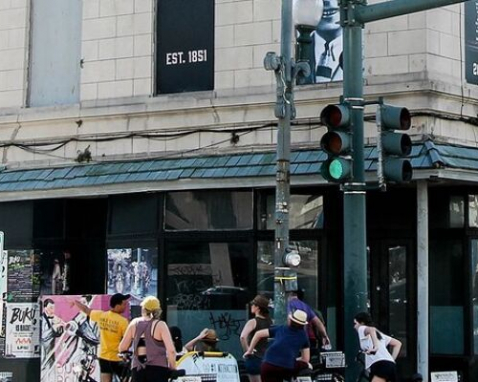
column 185, row 46
column 471, row 42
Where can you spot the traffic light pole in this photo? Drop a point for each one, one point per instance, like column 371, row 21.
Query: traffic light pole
column 354, row 14
column 284, row 111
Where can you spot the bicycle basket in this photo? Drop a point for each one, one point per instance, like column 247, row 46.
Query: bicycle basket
column 333, row 359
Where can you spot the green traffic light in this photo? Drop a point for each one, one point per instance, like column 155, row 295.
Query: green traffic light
column 336, row 170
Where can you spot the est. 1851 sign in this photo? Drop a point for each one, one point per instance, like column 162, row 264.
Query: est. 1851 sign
column 185, row 46
column 471, row 42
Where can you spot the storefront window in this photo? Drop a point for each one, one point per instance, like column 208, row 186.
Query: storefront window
column 446, row 297
column 306, row 272
column 474, row 294
column 207, row 287
column 208, row 210
column 306, row 212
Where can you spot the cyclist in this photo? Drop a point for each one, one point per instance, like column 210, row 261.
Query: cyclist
column 112, row 327
column 280, row 358
column 153, row 349
column 261, row 320
column 374, row 344
column 315, row 327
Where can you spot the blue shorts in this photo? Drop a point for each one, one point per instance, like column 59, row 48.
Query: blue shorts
column 253, row 365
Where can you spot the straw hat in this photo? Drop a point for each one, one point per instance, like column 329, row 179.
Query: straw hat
column 211, row 336
column 299, row 317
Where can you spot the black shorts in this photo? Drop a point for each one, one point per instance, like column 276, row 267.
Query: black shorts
column 111, row 367
column 385, row 370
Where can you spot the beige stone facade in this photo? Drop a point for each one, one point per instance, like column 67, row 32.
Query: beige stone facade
column 415, row 61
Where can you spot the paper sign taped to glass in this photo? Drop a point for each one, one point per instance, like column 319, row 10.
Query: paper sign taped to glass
column 210, row 366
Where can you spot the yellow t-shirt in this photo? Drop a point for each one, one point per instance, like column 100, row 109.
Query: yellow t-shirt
column 112, row 328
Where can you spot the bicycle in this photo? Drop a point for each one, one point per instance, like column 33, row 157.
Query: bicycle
column 126, row 376
column 364, row 375
column 324, row 368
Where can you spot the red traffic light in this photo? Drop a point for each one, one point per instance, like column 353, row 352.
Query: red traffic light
column 334, row 116
column 395, row 118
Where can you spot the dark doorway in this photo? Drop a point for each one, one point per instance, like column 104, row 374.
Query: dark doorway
column 393, row 303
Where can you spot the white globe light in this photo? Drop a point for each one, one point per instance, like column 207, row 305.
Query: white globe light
column 307, row 12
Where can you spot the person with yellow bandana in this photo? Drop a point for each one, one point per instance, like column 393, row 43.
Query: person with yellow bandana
column 112, row 329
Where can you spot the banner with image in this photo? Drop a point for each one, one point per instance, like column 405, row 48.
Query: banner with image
column 22, row 337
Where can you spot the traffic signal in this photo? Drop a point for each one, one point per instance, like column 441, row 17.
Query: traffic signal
column 337, row 143
column 395, row 147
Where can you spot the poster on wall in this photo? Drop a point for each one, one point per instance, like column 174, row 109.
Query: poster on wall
column 22, row 332
column 3, row 292
column 185, row 46
column 133, row 271
column 55, row 271
column 471, row 42
column 69, row 339
column 23, row 276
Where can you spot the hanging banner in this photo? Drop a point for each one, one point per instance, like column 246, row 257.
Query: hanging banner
column 22, row 332
column 471, row 42
column 185, row 46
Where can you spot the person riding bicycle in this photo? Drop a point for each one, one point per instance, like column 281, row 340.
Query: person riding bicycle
column 112, row 326
column 154, row 355
column 261, row 320
column 374, row 344
column 315, row 328
column 280, row 358
column 205, row 341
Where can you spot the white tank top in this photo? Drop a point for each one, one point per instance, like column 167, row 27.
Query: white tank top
column 366, row 343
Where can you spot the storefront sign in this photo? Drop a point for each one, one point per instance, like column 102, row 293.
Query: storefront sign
column 444, row 376
column 471, row 42
column 22, row 339
column 185, row 46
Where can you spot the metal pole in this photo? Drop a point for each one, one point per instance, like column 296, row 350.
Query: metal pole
column 422, row 280
column 354, row 14
column 284, row 112
column 393, row 8
column 355, row 251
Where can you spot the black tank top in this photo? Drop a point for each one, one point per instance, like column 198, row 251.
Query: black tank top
column 261, row 323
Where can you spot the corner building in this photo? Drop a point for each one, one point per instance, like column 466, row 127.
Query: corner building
column 148, row 126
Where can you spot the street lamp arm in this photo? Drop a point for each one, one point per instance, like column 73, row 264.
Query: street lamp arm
column 367, row 13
